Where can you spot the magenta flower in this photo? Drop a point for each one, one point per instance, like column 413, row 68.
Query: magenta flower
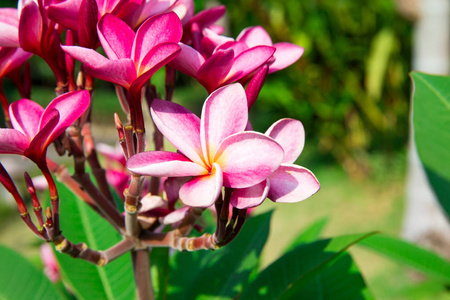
column 132, row 58
column 36, row 128
column 214, row 150
column 224, row 66
column 289, row 183
column 285, row 55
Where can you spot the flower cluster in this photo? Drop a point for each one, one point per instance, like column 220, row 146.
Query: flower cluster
column 220, row 161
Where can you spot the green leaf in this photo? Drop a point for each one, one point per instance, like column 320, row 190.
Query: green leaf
column 19, row 279
column 159, row 259
column 80, row 224
column 220, row 274
column 411, row 255
column 319, row 268
column 431, row 121
column 309, row 235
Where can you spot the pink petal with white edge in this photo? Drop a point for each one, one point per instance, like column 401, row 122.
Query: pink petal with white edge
column 247, row 158
column 70, row 106
column 290, row 134
column 248, row 61
column 9, row 23
column 121, row 72
column 12, row 141
column 115, row 36
column 291, row 183
column 176, row 216
column 164, row 164
column 254, row 36
column 202, row 191
column 25, row 116
column 224, row 113
column 286, row 55
column 180, row 126
column 251, row 196
column 156, row 30
column 188, row 61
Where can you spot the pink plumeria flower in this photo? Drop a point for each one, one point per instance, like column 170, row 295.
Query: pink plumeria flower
column 35, row 128
column 215, row 150
column 204, row 19
column 224, row 66
column 132, row 57
column 51, row 266
column 289, row 183
column 285, row 55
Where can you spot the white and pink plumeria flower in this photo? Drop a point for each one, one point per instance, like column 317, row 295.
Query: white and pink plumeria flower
column 289, row 183
column 215, row 150
column 35, row 128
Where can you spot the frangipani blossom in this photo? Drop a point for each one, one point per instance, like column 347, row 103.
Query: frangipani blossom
column 215, row 150
column 285, row 55
column 224, row 66
column 289, row 183
column 133, row 57
column 35, row 128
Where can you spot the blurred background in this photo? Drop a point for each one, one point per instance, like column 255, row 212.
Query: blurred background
column 350, row 89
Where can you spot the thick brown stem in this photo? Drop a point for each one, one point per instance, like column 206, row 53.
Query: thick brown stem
column 141, row 268
column 81, row 251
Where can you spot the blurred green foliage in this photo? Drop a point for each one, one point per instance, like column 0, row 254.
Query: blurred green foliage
column 350, row 89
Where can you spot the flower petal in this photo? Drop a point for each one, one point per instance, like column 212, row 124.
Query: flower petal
column 247, row 158
column 156, row 30
column 70, row 106
column 158, row 56
column 254, row 36
column 215, row 69
column 291, row 183
column 65, row 13
column 25, row 117
column 121, row 72
column 115, row 36
column 9, row 23
column 40, row 142
column 164, row 164
column 13, row 141
column 30, row 28
column 180, row 126
column 202, row 191
column 289, row 133
column 224, row 113
column 188, row 61
column 251, row 196
column 248, row 61
column 285, row 55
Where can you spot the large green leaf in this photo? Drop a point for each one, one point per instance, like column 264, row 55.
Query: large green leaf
column 80, row 223
column 319, row 270
column 159, row 259
column 220, row 274
column 411, row 255
column 310, row 234
column 431, row 121
column 19, row 279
